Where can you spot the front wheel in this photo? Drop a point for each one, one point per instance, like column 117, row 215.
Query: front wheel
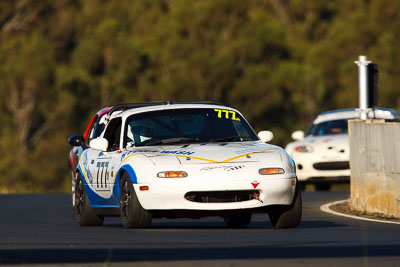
column 287, row 216
column 84, row 213
column 133, row 215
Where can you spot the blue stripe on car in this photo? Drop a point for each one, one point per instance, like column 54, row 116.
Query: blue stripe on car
column 96, row 201
column 130, row 171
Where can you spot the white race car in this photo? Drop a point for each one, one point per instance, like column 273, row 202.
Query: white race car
column 322, row 156
column 191, row 160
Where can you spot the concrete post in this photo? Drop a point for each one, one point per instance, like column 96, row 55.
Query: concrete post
column 362, row 64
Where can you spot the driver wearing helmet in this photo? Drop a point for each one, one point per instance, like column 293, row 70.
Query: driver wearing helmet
column 139, row 131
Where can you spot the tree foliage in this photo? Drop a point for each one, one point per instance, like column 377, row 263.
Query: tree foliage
column 280, row 62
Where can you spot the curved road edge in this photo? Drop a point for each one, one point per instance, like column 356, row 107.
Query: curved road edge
column 327, row 208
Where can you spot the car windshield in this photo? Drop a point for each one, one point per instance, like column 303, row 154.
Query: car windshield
column 328, row 128
column 175, row 126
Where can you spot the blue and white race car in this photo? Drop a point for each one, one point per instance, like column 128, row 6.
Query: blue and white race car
column 191, row 160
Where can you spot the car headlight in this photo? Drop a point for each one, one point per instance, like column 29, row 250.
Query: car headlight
column 304, row 149
column 172, row 174
column 269, row 171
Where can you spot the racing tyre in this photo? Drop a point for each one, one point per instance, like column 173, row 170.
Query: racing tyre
column 237, row 221
column 322, row 187
column 133, row 215
column 287, row 216
column 302, row 186
column 84, row 213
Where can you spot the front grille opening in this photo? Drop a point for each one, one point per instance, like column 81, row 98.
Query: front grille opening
column 222, row 196
column 332, row 166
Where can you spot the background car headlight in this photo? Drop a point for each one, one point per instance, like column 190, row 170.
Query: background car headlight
column 269, row 171
column 172, row 174
column 304, row 148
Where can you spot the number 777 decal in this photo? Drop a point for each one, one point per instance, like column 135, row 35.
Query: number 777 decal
column 102, row 176
column 227, row 113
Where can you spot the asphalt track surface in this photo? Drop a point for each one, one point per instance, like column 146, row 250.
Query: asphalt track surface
column 40, row 230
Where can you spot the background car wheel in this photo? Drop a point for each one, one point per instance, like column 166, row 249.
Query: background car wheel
column 237, row 221
column 323, row 187
column 132, row 213
column 302, row 186
column 84, row 213
column 287, row 216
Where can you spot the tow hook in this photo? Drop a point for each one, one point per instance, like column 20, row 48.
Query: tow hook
column 256, row 196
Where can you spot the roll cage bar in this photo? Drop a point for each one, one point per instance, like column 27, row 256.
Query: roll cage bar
column 126, row 106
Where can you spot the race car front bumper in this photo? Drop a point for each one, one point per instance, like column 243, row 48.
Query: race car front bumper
column 181, row 194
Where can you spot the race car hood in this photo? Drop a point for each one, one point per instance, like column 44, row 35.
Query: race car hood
column 210, row 153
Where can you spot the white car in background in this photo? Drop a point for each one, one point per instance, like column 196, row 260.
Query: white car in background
column 322, row 154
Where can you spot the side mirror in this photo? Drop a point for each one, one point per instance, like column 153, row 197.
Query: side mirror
column 99, row 144
column 298, row 135
column 266, row 136
column 77, row 140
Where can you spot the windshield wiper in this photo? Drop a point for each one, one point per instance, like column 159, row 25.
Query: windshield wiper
column 174, row 140
column 227, row 139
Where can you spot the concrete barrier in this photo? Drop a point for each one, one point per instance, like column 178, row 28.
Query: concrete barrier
column 375, row 166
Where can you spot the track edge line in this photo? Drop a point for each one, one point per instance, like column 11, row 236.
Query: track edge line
column 327, row 208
